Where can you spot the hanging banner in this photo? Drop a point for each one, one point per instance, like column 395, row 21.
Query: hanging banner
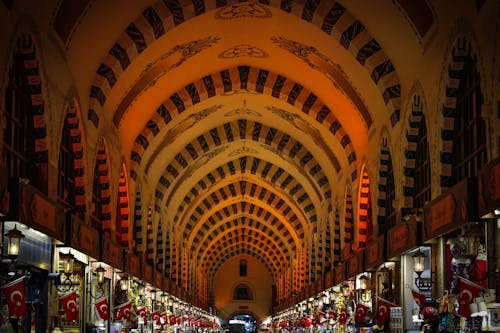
column 102, row 308
column 69, row 305
column 339, row 273
column 84, row 238
column 112, row 253
column 133, row 264
column 355, row 264
column 15, row 295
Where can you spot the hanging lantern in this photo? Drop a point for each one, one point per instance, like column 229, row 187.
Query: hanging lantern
column 100, row 274
column 68, row 260
column 419, row 262
column 14, row 237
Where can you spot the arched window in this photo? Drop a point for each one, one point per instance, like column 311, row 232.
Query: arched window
column 242, row 292
column 19, row 140
column 469, row 135
column 243, row 267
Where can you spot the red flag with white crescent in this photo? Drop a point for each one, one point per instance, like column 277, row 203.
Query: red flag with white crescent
column 103, row 308
column 361, row 312
column 15, row 296
column 141, row 312
column 155, row 316
column 419, row 298
column 163, row 318
column 343, row 316
column 383, row 310
column 468, row 290
column 69, row 305
column 123, row 311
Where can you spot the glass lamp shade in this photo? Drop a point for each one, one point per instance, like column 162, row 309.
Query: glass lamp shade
column 124, row 284
column 68, row 260
column 364, row 282
column 14, row 237
column 153, row 294
column 100, row 274
column 419, row 262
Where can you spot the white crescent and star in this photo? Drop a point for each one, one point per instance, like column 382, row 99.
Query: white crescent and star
column 382, row 309
column 104, row 308
column 463, row 300
column 71, row 305
column 16, row 300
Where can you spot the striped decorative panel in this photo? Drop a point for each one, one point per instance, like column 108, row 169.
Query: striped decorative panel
column 349, row 222
column 336, row 238
column 123, row 210
column 102, row 191
column 74, row 127
column 365, row 227
column 150, row 247
column 385, row 183
column 328, row 241
column 159, row 248
column 137, row 235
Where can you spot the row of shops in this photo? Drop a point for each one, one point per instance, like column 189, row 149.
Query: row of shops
column 436, row 270
column 60, row 274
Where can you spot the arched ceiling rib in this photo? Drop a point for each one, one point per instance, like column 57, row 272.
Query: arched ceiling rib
column 244, row 119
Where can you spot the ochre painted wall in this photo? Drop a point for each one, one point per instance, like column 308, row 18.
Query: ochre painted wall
column 258, row 279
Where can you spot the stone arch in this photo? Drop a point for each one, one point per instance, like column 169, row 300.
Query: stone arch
column 329, row 16
column 461, row 49
column 102, row 188
column 242, row 77
column 123, row 210
column 385, row 184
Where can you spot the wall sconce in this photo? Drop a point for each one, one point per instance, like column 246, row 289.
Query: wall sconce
column 14, row 237
column 124, row 284
column 423, row 284
column 100, row 279
column 68, row 261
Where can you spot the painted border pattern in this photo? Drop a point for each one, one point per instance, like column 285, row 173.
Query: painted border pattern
column 123, row 210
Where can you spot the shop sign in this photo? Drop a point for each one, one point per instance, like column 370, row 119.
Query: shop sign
column 374, row 252
column 133, row 264
column 355, row 264
column 158, row 279
column 402, row 237
column 339, row 274
column 112, row 253
column 84, row 238
column 39, row 212
column 489, row 187
column 451, row 210
column 148, row 273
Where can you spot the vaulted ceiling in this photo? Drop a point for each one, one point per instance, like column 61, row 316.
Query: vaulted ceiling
column 246, row 120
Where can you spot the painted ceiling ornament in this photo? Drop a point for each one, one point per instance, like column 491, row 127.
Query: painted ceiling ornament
column 243, row 110
column 243, row 9
column 153, row 71
column 243, row 150
column 243, row 50
column 303, row 126
column 333, row 71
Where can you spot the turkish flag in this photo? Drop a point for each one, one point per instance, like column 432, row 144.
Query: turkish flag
column 69, row 305
column 123, row 311
column 361, row 312
column 103, row 308
column 383, row 310
column 343, row 316
column 419, row 298
column 155, row 316
column 15, row 296
column 163, row 318
column 141, row 312
column 468, row 290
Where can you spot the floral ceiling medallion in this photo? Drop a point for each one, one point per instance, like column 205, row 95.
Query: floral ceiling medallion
column 243, row 9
